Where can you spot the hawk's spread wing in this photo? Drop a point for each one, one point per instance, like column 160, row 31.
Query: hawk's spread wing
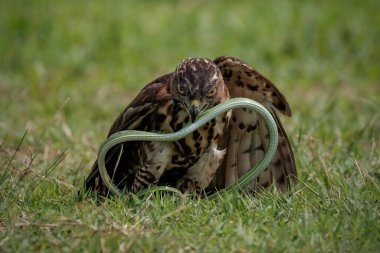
column 247, row 137
column 135, row 116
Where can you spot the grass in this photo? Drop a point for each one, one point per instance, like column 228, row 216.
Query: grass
column 67, row 68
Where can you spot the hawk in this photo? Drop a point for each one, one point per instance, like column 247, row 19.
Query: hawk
column 216, row 154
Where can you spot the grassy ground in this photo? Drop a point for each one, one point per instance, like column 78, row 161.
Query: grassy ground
column 67, row 68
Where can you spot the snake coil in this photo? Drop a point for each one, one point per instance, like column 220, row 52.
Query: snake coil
column 234, row 103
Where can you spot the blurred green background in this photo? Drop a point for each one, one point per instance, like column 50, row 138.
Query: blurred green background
column 68, row 68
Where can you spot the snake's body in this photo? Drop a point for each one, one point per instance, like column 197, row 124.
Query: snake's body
column 234, row 103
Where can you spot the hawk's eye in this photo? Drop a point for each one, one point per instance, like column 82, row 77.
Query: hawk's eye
column 212, row 92
column 180, row 89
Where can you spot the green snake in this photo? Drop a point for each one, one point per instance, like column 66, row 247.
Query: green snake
column 234, row 103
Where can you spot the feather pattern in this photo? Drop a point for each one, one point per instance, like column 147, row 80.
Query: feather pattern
column 219, row 152
column 247, row 137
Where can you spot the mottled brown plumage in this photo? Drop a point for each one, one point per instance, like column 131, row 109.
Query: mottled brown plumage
column 173, row 100
column 247, row 137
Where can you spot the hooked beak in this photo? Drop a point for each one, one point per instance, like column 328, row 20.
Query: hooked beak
column 194, row 109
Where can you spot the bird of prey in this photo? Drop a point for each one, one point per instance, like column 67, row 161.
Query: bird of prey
column 216, row 154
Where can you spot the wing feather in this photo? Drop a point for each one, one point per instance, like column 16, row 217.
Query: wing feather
column 247, row 137
column 134, row 115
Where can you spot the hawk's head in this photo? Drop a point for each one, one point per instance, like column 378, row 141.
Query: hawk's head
column 198, row 84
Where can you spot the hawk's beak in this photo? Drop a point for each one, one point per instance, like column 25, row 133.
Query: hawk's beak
column 194, row 109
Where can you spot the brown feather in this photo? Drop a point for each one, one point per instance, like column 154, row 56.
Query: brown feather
column 146, row 102
column 246, row 139
column 244, row 81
